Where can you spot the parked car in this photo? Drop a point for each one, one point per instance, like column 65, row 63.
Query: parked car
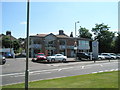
column 113, row 56
column 57, row 57
column 40, row 57
column 101, row 57
column 108, row 56
column 9, row 55
column 84, row 56
column 118, row 56
column 2, row 60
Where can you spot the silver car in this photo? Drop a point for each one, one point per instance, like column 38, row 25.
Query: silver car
column 101, row 57
column 109, row 55
column 57, row 57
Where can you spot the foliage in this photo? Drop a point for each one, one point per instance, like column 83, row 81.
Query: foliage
column 7, row 42
column 104, row 37
column 84, row 33
column 99, row 28
column 117, row 43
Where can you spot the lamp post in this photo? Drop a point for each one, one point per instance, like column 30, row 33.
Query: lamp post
column 75, row 27
column 75, row 40
column 27, row 49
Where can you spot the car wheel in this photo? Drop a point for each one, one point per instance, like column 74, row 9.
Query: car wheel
column 79, row 58
column 48, row 60
column 64, row 60
column 52, row 60
column 33, row 60
column 99, row 58
column 112, row 58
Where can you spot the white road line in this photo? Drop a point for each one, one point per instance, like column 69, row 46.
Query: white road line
column 112, row 69
column 40, row 73
column 59, row 69
column 36, row 71
column 12, row 74
column 83, row 67
column 100, row 71
column 106, row 70
column 94, row 72
column 101, row 65
column 18, row 76
column 116, row 69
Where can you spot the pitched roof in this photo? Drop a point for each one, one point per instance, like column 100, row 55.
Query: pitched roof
column 40, row 35
column 62, row 36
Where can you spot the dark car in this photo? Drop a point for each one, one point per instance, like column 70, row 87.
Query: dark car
column 8, row 55
column 2, row 60
column 40, row 57
column 83, row 55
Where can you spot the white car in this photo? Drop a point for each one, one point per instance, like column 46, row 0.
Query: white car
column 57, row 57
column 109, row 55
column 101, row 57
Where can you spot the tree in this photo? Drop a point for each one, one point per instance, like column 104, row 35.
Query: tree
column 117, row 43
column 7, row 42
column 84, row 33
column 104, row 37
column 16, row 45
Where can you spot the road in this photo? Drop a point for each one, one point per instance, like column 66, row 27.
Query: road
column 14, row 70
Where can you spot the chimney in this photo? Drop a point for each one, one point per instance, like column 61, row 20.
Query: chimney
column 8, row 32
column 61, row 32
column 71, row 35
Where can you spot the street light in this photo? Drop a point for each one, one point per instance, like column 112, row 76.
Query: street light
column 75, row 40
column 75, row 27
column 27, row 49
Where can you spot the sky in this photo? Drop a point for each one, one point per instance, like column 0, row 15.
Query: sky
column 50, row 17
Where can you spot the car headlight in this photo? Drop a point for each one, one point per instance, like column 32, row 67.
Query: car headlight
column 3, row 57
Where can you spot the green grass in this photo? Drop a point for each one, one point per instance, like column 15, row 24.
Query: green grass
column 98, row 80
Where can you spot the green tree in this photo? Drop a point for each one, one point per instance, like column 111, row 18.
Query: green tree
column 84, row 33
column 7, row 42
column 16, row 45
column 104, row 37
column 117, row 43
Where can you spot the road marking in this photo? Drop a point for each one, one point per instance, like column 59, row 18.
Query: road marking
column 116, row 69
column 11, row 74
column 40, row 73
column 59, row 69
column 94, row 72
column 100, row 71
column 83, row 67
column 106, row 70
column 31, row 72
column 18, row 76
column 112, row 69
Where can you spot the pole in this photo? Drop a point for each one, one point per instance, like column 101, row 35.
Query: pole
column 75, row 43
column 27, row 49
column 75, row 29
column 10, row 44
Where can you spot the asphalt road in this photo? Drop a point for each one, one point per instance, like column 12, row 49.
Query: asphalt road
column 14, row 69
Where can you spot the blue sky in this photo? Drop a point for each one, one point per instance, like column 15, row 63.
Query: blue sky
column 50, row 17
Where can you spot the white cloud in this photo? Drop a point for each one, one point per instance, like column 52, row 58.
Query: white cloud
column 23, row 22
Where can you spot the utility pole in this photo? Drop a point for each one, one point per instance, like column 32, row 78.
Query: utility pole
column 27, row 49
column 75, row 41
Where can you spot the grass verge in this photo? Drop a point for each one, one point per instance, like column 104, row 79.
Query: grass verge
column 98, row 80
